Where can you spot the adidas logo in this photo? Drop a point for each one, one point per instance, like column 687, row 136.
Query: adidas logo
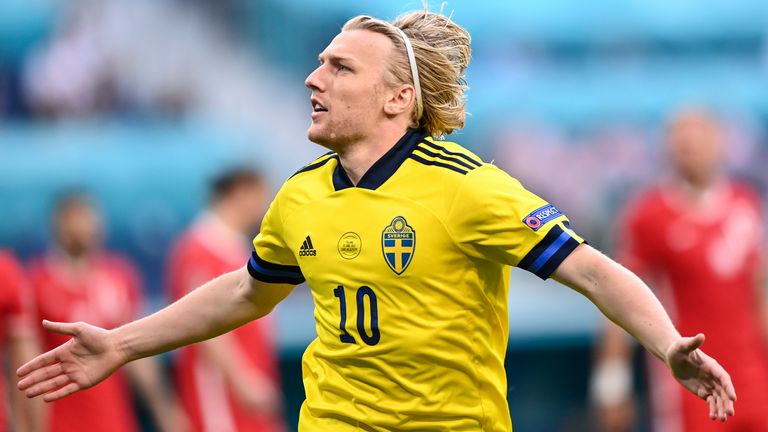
column 307, row 249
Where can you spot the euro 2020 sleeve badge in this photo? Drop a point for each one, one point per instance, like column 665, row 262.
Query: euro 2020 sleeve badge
column 398, row 243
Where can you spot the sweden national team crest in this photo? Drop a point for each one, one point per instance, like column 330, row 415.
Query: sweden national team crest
column 398, row 242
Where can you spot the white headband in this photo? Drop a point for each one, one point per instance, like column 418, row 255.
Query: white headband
column 414, row 70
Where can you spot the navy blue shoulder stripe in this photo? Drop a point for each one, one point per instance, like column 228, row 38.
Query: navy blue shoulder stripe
column 547, row 255
column 266, row 271
column 446, row 158
column 420, row 159
column 469, row 159
column 315, row 165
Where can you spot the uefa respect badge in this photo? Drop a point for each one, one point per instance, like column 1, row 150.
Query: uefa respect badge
column 539, row 217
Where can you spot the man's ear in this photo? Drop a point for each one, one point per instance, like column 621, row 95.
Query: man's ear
column 401, row 100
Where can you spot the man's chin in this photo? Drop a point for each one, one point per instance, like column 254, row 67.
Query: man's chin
column 330, row 140
column 320, row 138
column 313, row 136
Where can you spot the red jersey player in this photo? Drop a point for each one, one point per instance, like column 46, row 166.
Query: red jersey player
column 229, row 383
column 699, row 236
column 17, row 339
column 77, row 280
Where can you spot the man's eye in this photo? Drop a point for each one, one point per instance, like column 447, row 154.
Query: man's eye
column 342, row 68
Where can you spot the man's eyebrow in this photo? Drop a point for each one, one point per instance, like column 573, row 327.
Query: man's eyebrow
column 333, row 58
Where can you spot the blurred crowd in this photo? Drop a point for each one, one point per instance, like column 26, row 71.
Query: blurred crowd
column 183, row 61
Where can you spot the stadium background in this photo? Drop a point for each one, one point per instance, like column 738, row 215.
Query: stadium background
column 141, row 102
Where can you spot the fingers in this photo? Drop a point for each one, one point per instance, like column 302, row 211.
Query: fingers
column 721, row 407
column 729, row 409
column 725, row 392
column 69, row 329
column 724, row 406
column 690, row 344
column 721, row 377
column 62, row 392
column 46, row 386
column 720, row 403
column 726, row 401
column 727, row 406
column 714, row 385
column 712, row 407
column 36, row 363
column 730, row 391
column 40, row 375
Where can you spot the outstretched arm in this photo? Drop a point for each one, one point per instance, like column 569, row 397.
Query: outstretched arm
column 93, row 353
column 628, row 302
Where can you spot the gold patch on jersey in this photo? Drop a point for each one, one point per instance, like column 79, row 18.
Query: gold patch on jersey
column 398, row 243
column 350, row 245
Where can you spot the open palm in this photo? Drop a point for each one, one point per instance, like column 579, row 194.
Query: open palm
column 82, row 362
column 703, row 376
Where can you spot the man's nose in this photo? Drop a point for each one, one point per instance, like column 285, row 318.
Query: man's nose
column 313, row 81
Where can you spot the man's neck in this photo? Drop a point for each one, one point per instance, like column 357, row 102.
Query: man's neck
column 75, row 259
column 229, row 217
column 698, row 190
column 357, row 158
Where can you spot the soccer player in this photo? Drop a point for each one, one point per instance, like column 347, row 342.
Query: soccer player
column 229, row 383
column 19, row 342
column 700, row 235
column 406, row 242
column 78, row 280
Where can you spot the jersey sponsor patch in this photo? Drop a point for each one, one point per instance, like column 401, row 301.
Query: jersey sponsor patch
column 398, row 243
column 539, row 217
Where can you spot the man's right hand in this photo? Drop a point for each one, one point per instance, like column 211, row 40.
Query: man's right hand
column 80, row 363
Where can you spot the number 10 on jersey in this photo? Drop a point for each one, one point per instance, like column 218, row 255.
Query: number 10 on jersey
column 362, row 293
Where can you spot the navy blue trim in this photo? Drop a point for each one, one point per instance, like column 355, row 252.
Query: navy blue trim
column 554, row 262
column 446, row 158
column 444, row 150
column 544, row 258
column 436, row 163
column 315, row 165
column 340, row 178
column 549, row 251
column 385, row 167
column 266, row 271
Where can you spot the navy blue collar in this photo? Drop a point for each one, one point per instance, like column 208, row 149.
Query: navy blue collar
column 383, row 168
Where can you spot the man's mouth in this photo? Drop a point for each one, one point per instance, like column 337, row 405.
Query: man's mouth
column 318, row 107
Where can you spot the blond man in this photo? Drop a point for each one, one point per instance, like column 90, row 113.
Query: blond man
column 407, row 243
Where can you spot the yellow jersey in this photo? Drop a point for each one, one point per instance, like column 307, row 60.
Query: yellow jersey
column 409, row 272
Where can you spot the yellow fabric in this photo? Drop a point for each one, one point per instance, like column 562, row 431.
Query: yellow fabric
column 436, row 362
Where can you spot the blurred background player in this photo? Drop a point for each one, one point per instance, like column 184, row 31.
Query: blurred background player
column 78, row 280
column 18, row 343
column 229, row 383
column 699, row 235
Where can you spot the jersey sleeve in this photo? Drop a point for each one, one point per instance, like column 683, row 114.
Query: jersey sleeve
column 494, row 217
column 272, row 261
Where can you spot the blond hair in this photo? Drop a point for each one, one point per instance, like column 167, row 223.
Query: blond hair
column 442, row 52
